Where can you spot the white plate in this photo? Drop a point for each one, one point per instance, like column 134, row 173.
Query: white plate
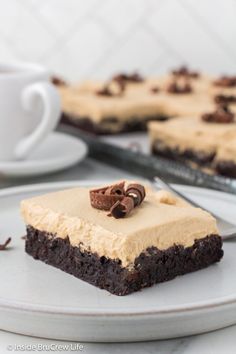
column 57, row 152
column 39, row 300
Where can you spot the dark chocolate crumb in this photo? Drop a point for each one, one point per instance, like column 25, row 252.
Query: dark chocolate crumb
column 3, row 246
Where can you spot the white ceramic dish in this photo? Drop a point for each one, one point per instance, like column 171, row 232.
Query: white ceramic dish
column 39, row 300
column 59, row 151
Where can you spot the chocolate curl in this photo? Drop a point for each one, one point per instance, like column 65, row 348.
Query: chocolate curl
column 121, row 87
column 120, row 80
column 135, row 77
column 136, row 192
column 115, row 198
column 117, row 189
column 109, row 91
column 221, row 115
column 105, row 198
column 5, row 244
column 184, row 71
column 225, row 99
column 176, row 87
column 225, row 81
column 122, row 208
column 105, row 91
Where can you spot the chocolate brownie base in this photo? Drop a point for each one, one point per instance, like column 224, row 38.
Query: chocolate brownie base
column 226, row 168
column 200, row 157
column 133, row 125
column 152, row 266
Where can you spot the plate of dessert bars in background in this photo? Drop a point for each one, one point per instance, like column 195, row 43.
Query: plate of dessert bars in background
column 184, row 117
column 117, row 261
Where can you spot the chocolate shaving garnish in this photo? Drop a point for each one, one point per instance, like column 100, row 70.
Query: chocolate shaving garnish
column 115, row 198
column 57, row 81
column 225, row 81
column 155, row 89
column 137, row 192
column 135, row 77
column 24, row 237
column 184, row 71
column 225, row 99
column 109, row 91
column 122, row 86
column 122, row 208
column 105, row 91
column 221, row 115
column 117, row 189
column 105, row 198
column 5, row 244
column 121, row 81
column 179, row 88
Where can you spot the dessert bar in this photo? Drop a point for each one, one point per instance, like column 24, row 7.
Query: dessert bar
column 127, row 102
column 207, row 142
column 122, row 237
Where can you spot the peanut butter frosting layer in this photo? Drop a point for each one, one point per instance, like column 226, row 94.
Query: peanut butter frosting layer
column 138, row 100
column 162, row 220
column 185, row 105
column 193, row 133
column 88, row 104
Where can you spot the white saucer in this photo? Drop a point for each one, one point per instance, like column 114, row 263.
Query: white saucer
column 57, row 152
column 39, row 300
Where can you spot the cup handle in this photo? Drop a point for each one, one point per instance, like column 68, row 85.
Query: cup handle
column 51, row 102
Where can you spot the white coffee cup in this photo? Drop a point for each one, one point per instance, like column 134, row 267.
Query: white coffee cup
column 29, row 109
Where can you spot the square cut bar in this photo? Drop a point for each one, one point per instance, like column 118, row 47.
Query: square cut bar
column 140, row 103
column 101, row 114
column 191, row 140
column 162, row 238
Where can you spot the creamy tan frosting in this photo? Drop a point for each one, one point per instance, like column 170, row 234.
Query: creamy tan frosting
column 186, row 105
column 162, row 220
column 193, row 133
column 98, row 108
column 137, row 101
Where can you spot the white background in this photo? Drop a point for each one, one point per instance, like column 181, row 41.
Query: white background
column 93, row 38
